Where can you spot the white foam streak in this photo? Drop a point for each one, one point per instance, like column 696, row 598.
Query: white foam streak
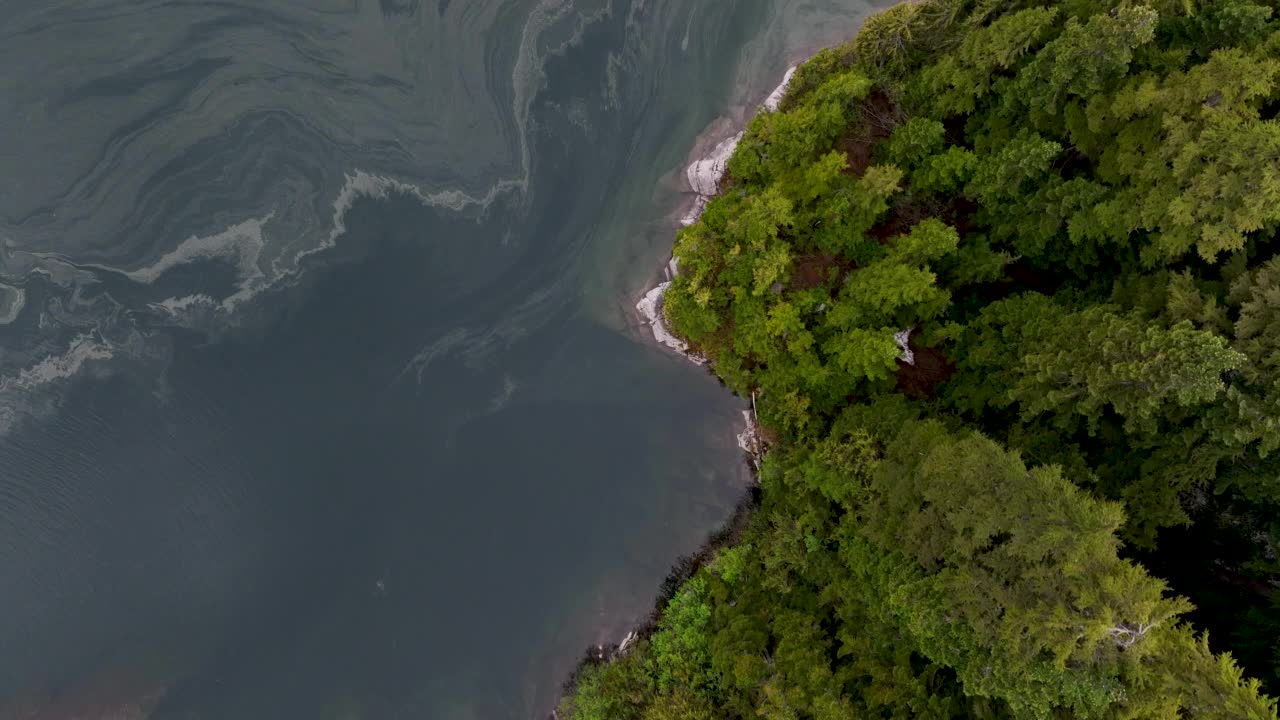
column 527, row 75
column 184, row 304
column 84, row 348
column 242, row 241
column 247, row 243
column 421, row 362
column 16, row 301
column 265, row 254
column 18, row 392
column 504, row 394
column 364, row 184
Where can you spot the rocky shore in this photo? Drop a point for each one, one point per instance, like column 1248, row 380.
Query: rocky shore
column 703, row 176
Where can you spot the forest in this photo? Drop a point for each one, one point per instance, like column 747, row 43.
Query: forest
column 1002, row 278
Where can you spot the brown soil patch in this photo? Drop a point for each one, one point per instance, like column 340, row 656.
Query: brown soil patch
column 898, row 222
column 857, row 152
column 811, row 271
column 879, row 115
column 768, row 436
column 931, row 369
column 958, row 214
column 1033, row 278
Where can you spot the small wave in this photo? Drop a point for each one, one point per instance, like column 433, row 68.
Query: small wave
column 476, row 346
column 421, row 362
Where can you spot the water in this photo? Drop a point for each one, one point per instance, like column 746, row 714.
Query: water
column 321, row 394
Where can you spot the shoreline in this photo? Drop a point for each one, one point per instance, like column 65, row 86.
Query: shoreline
column 707, row 162
column 703, row 172
column 868, row 197
column 704, row 169
column 682, row 569
column 702, row 175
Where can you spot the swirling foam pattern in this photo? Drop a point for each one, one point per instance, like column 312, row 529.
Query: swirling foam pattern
column 161, row 135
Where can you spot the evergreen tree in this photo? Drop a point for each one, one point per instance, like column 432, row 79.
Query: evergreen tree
column 1069, row 208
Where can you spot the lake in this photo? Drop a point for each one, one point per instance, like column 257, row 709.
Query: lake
column 321, row 390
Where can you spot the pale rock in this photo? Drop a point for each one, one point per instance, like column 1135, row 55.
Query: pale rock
column 650, row 308
column 705, row 174
column 903, row 338
column 704, row 177
column 626, row 642
column 695, row 212
column 775, row 98
column 748, row 440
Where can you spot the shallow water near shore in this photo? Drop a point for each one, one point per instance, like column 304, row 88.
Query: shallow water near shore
column 321, row 391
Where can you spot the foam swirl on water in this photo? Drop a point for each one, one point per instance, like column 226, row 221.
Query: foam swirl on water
column 261, row 125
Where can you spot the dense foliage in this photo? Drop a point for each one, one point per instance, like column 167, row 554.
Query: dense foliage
column 1065, row 504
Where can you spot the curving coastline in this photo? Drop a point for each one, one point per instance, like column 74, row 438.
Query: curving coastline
column 897, row 559
column 703, row 176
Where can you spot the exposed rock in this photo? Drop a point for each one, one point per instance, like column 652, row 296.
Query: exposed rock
column 903, row 337
column 749, row 439
column 695, row 212
column 705, row 174
column 775, row 98
column 626, row 642
column 650, row 307
column 704, row 177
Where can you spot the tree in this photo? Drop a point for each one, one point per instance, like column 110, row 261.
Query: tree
column 1073, row 207
column 1018, row 587
column 1084, row 59
column 961, row 78
column 1085, row 362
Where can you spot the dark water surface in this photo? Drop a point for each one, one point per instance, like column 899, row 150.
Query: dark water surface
column 320, row 396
